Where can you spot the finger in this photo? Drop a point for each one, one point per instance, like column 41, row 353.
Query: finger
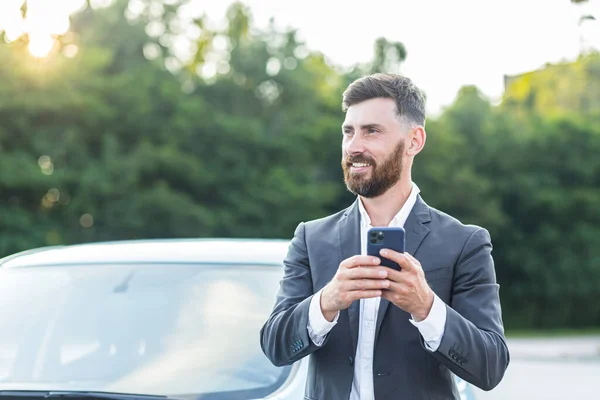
column 400, row 258
column 366, row 273
column 395, row 275
column 414, row 260
column 356, row 261
column 367, row 284
column 365, row 294
column 415, row 264
column 389, row 296
column 398, row 288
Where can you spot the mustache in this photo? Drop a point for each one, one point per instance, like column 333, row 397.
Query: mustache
column 359, row 159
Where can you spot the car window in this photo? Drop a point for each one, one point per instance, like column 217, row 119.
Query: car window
column 156, row 329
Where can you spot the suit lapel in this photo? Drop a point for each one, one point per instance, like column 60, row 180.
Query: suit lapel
column 348, row 246
column 416, row 230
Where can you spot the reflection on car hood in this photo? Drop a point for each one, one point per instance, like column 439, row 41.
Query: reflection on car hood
column 71, row 394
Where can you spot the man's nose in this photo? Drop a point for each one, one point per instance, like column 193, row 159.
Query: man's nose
column 355, row 145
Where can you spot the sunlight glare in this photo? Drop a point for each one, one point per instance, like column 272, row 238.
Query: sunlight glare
column 71, row 51
column 10, row 20
column 14, row 30
column 44, row 20
column 40, row 44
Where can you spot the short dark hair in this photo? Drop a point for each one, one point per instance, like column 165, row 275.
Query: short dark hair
column 410, row 100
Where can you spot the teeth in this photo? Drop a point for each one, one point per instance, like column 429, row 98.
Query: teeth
column 358, row 165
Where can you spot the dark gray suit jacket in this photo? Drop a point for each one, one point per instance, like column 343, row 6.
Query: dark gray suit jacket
column 459, row 267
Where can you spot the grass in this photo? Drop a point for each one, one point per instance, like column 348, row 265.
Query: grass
column 531, row 333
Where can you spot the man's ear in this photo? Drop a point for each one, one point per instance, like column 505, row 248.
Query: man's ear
column 417, row 139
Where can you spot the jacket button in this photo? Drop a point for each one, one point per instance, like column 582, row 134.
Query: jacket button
column 350, row 360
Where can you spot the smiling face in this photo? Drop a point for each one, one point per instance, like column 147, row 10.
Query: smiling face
column 383, row 131
column 374, row 140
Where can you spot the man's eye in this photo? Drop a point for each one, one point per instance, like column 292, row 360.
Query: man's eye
column 373, row 130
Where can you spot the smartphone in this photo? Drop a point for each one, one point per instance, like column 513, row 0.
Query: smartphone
column 392, row 238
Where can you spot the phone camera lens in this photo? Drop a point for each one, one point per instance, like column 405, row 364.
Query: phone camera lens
column 380, row 236
column 373, row 240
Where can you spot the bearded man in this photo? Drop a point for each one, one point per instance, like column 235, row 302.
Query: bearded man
column 373, row 332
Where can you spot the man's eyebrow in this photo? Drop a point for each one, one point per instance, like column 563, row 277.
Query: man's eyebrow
column 363, row 127
column 371, row 126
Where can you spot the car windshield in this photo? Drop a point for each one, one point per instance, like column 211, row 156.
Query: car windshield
column 177, row 329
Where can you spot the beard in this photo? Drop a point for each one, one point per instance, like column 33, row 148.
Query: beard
column 382, row 178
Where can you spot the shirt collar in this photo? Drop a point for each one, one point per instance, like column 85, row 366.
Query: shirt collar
column 400, row 218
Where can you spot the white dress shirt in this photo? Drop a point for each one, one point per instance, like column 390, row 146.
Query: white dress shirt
column 431, row 328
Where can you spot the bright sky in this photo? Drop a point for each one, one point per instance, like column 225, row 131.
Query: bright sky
column 44, row 18
column 449, row 43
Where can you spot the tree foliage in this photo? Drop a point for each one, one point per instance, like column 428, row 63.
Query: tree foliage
column 126, row 139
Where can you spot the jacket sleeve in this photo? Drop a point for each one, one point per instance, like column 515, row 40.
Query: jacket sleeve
column 473, row 345
column 284, row 337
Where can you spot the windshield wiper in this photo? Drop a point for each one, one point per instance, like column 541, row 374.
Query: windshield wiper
column 74, row 394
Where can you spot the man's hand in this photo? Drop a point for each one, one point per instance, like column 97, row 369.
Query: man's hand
column 357, row 277
column 408, row 288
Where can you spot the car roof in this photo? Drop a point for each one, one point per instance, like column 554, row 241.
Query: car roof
column 213, row 250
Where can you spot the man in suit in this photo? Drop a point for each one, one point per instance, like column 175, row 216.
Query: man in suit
column 373, row 332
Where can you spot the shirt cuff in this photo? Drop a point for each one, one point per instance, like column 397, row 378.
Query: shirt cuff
column 432, row 327
column 318, row 326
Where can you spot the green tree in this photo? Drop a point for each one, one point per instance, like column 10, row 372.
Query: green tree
column 113, row 135
column 240, row 136
column 564, row 88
